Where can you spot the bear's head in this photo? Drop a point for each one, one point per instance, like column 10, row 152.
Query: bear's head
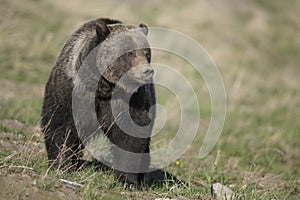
column 125, row 52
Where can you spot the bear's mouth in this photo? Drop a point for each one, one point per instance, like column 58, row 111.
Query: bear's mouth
column 144, row 79
column 143, row 74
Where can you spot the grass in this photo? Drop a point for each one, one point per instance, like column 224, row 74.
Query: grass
column 255, row 45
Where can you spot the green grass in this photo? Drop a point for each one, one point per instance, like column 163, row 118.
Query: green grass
column 255, row 45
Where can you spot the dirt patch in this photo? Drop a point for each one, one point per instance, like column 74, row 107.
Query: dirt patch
column 23, row 186
column 19, row 126
column 20, row 137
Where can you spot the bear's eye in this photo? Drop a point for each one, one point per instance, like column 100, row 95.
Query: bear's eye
column 130, row 53
column 148, row 56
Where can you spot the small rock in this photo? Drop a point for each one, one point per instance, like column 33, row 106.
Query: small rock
column 220, row 191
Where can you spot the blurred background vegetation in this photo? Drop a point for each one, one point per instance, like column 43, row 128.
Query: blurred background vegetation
column 255, row 45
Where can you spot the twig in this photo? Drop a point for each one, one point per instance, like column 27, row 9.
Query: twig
column 14, row 166
column 71, row 184
column 9, row 157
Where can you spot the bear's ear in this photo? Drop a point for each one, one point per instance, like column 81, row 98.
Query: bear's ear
column 101, row 30
column 115, row 27
column 144, row 28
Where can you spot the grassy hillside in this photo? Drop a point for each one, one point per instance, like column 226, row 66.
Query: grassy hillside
column 255, row 45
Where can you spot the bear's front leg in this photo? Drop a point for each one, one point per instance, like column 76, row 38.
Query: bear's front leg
column 129, row 180
column 131, row 158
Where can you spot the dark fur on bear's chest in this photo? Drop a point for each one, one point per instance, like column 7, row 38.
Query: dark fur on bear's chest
column 140, row 103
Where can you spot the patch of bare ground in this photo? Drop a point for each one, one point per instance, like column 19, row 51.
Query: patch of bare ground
column 26, row 186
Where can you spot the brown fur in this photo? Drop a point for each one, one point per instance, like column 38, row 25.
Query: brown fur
column 63, row 144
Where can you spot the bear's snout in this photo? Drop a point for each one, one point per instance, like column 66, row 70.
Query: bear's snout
column 147, row 71
column 143, row 73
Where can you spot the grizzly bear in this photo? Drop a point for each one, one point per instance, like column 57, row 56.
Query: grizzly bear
column 114, row 57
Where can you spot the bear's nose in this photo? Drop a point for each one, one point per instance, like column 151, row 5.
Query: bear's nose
column 147, row 71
